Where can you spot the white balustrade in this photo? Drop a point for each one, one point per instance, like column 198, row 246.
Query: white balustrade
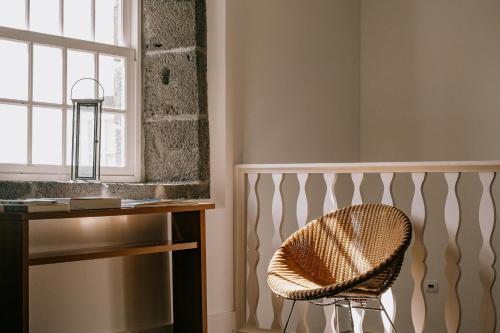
column 330, row 204
column 358, row 315
column 419, row 253
column 247, row 215
column 253, row 251
column 487, row 254
column 452, row 220
column 277, row 214
column 387, row 298
column 302, row 215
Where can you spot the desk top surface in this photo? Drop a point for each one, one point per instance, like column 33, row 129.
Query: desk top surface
column 167, row 208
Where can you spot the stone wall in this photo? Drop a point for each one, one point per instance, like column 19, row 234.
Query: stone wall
column 176, row 147
column 175, row 112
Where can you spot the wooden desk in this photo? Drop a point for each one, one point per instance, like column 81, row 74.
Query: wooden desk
column 188, row 261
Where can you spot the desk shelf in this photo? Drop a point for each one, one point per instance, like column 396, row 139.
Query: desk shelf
column 46, row 258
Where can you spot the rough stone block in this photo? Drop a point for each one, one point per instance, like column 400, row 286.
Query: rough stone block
column 174, row 84
column 73, row 189
column 160, row 191
column 175, row 150
column 129, row 190
column 169, row 24
column 16, row 190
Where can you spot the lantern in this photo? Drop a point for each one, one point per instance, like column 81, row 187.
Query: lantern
column 86, row 139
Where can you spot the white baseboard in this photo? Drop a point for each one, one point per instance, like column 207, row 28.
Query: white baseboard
column 224, row 322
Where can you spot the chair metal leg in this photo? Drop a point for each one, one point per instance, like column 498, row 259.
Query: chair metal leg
column 387, row 315
column 350, row 315
column 289, row 316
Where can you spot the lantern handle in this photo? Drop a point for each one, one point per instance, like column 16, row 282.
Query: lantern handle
column 87, row 78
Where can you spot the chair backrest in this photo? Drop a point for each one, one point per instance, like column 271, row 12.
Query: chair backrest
column 350, row 242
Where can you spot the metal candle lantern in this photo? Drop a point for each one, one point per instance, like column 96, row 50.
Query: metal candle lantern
column 86, row 139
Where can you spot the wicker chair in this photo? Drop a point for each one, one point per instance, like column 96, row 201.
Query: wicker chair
column 347, row 257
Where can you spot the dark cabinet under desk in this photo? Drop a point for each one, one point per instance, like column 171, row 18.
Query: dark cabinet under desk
column 188, row 261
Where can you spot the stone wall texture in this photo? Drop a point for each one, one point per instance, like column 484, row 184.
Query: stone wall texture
column 176, row 139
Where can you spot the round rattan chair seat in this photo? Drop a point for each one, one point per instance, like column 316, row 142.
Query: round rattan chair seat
column 356, row 250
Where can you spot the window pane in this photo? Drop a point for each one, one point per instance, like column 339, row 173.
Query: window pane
column 13, row 14
column 112, row 78
column 44, row 16
column 113, row 140
column 77, row 19
column 13, row 134
column 80, row 65
column 108, row 25
column 47, row 74
column 47, row 136
column 69, row 135
column 13, row 70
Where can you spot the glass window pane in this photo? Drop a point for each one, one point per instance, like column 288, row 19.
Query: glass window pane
column 13, row 134
column 13, row 14
column 47, row 136
column 80, row 65
column 13, row 70
column 69, row 135
column 77, row 19
column 112, row 78
column 47, row 74
column 108, row 25
column 86, row 147
column 113, row 140
column 44, row 16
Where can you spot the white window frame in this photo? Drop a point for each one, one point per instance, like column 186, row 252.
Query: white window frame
column 131, row 43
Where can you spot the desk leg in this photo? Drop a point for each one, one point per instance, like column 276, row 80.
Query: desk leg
column 14, row 276
column 189, row 274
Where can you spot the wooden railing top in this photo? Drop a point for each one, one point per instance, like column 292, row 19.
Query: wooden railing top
column 373, row 167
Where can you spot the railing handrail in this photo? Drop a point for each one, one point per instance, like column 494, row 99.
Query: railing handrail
column 372, row 167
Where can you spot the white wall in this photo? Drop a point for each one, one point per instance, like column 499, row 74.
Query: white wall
column 293, row 80
column 219, row 221
column 430, row 80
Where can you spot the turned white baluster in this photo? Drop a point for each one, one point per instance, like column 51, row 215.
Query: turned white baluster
column 387, row 298
column 357, row 198
column 452, row 220
column 330, row 204
column 302, row 215
column 253, row 250
column 487, row 255
column 419, row 253
column 277, row 213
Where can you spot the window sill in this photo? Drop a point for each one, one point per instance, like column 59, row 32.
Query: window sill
column 66, row 189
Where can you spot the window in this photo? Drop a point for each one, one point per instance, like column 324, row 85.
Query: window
column 46, row 46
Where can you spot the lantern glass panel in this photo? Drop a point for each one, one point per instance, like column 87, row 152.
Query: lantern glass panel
column 86, row 136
